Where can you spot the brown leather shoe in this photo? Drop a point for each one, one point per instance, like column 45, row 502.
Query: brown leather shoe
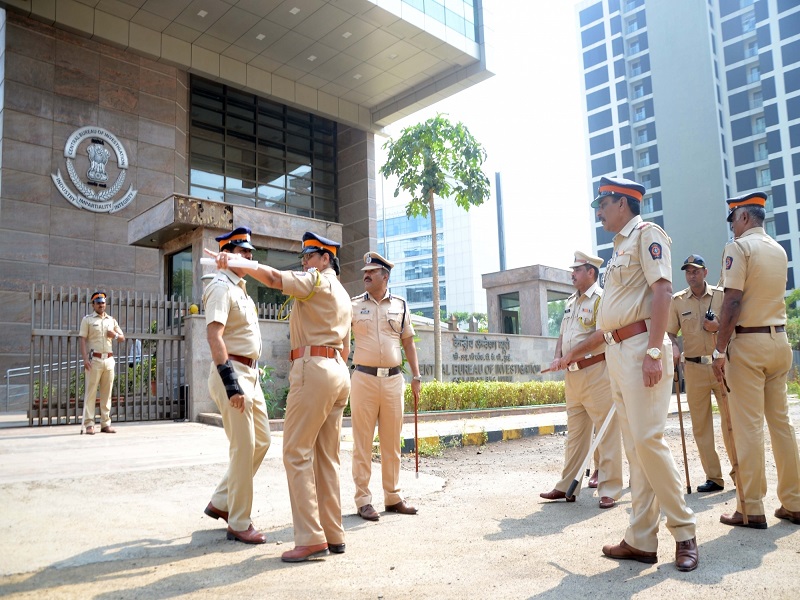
column 90, row 430
column 686, row 555
column 556, row 495
column 793, row 516
column 336, row 548
column 368, row 513
column 250, row 536
column 401, row 507
column 301, row 553
column 108, row 429
column 625, row 552
column 593, row 480
column 736, row 520
column 216, row 513
column 606, row 502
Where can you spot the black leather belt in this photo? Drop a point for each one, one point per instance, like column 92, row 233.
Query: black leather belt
column 378, row 371
column 701, row 360
column 764, row 329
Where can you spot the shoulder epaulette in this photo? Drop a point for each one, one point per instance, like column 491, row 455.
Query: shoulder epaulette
column 648, row 224
column 360, row 297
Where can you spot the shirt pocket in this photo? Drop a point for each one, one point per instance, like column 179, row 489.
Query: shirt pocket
column 243, row 310
column 621, row 271
column 393, row 324
column 690, row 323
column 362, row 322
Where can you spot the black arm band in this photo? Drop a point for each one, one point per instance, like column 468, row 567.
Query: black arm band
column 229, row 379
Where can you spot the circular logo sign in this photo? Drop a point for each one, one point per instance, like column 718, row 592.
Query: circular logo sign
column 93, row 191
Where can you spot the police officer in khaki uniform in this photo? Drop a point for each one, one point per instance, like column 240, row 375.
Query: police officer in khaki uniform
column 381, row 323
column 234, row 338
column 694, row 312
column 581, row 350
column 97, row 332
column 319, row 384
column 754, row 273
column 633, row 314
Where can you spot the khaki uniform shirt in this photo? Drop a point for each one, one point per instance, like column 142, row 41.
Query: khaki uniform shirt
column 321, row 313
column 378, row 326
column 226, row 301
column 756, row 265
column 687, row 315
column 641, row 257
column 94, row 328
column 580, row 319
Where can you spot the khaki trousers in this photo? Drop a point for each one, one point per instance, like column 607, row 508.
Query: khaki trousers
column 102, row 374
column 376, row 399
column 318, row 390
column 759, row 364
column 588, row 402
column 642, row 414
column 249, row 438
column 700, row 382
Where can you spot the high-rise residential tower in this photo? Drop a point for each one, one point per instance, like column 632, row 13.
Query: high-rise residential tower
column 698, row 100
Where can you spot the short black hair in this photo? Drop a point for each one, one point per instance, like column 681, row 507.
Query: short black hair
column 634, row 205
column 593, row 269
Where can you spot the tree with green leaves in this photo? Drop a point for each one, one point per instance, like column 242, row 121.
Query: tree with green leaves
column 793, row 318
column 464, row 319
column 437, row 158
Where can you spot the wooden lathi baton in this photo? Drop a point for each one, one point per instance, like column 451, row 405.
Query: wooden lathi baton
column 725, row 410
column 416, row 435
column 597, row 439
column 677, row 378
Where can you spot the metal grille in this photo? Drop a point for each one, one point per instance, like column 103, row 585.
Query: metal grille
column 149, row 376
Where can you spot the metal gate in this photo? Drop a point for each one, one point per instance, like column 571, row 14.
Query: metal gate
column 149, row 378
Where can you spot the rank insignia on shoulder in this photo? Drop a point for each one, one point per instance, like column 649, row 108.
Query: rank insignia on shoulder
column 655, row 251
column 728, row 263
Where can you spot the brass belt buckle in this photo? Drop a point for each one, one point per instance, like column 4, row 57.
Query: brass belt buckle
column 382, row 372
column 609, row 337
column 706, row 360
column 573, row 367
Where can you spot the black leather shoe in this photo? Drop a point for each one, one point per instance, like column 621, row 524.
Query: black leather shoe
column 336, row 548
column 710, row 486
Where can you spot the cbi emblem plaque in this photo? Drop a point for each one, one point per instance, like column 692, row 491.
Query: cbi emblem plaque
column 93, row 191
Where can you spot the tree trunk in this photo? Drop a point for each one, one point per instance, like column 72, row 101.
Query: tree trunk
column 437, row 312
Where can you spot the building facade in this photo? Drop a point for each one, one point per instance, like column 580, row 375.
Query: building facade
column 135, row 131
column 699, row 101
column 407, row 243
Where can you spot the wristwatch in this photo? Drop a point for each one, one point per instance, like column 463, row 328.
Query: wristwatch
column 654, row 353
column 417, row 378
column 716, row 354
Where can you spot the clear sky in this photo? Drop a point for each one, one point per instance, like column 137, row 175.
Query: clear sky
column 529, row 118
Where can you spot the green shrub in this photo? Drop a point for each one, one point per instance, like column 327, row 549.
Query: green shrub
column 437, row 395
column 793, row 382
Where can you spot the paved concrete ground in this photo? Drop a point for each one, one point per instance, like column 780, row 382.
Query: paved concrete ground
column 120, row 516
